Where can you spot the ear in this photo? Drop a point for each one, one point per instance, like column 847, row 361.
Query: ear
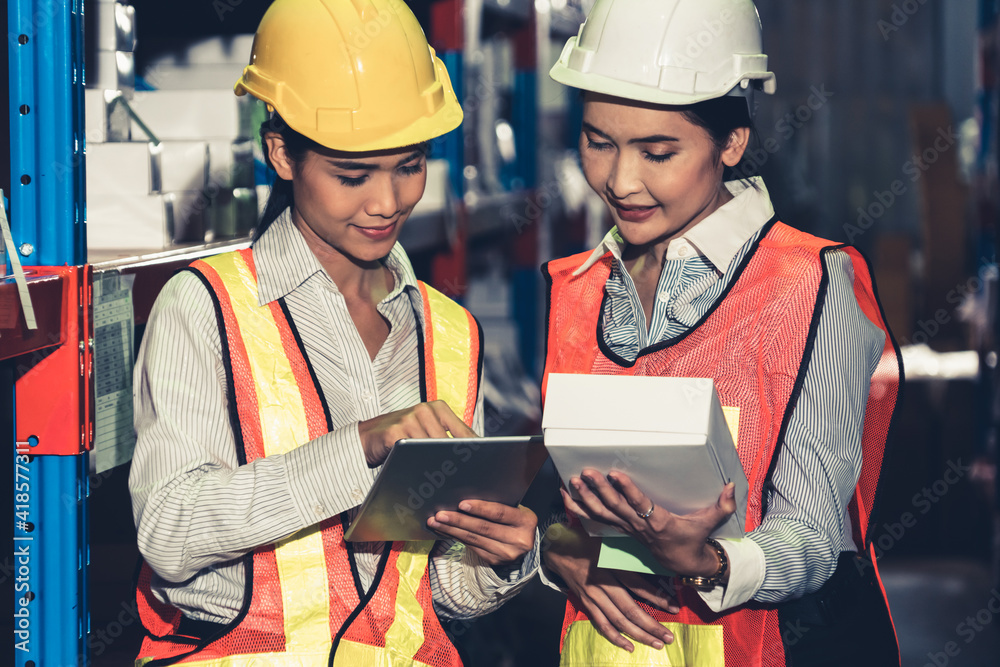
column 274, row 144
column 733, row 152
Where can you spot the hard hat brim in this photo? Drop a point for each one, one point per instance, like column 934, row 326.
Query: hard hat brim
column 597, row 83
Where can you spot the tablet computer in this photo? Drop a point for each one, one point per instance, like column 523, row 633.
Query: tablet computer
column 425, row 475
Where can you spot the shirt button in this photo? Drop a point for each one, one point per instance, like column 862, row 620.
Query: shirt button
column 664, row 297
column 320, row 511
column 367, row 396
column 356, row 495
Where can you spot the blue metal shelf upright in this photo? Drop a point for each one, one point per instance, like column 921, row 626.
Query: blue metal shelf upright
column 45, row 43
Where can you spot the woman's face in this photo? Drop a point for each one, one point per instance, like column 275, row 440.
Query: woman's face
column 355, row 203
column 659, row 173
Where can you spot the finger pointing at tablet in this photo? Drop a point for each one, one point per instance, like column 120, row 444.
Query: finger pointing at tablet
column 498, row 533
column 424, row 420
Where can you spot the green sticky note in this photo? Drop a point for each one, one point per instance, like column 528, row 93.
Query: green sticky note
column 626, row 553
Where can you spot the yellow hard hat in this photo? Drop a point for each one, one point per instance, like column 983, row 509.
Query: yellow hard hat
column 352, row 75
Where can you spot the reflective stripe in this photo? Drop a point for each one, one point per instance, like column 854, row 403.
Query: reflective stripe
column 352, row 654
column 406, row 634
column 693, row 646
column 300, row 559
column 453, row 364
column 732, row 415
column 317, row 657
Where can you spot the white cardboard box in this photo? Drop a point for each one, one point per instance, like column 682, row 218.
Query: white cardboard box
column 230, row 163
column 193, row 77
column 125, row 168
column 669, row 435
column 115, row 25
column 126, row 222
column 107, row 120
column 112, row 70
column 194, row 114
column 145, row 222
column 183, row 165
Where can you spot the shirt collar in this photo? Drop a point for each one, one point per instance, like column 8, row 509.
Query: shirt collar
column 284, row 262
column 718, row 237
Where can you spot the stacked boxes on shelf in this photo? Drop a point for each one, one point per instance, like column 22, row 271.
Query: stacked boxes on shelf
column 222, row 126
column 112, row 65
column 164, row 167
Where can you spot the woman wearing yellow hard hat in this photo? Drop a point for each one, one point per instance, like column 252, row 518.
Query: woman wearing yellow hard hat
column 698, row 278
column 273, row 381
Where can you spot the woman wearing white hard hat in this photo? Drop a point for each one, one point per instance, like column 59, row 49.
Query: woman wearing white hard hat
column 700, row 279
column 273, row 381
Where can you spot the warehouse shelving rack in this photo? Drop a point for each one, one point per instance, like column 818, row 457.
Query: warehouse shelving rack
column 47, row 201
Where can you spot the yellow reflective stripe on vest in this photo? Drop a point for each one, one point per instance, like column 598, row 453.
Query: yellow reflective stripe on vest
column 693, row 646
column 353, row 654
column 300, row 559
column 406, row 634
column 450, row 327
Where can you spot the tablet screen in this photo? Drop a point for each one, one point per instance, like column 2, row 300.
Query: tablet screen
column 423, row 476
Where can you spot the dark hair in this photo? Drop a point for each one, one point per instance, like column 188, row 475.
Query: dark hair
column 281, row 197
column 719, row 117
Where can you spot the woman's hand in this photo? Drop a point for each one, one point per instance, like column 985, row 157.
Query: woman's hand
column 608, row 596
column 497, row 533
column 677, row 541
column 424, row 420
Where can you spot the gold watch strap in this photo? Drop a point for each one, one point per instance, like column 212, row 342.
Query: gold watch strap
column 708, row 583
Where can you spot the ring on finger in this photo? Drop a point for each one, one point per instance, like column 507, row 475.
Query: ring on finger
column 645, row 515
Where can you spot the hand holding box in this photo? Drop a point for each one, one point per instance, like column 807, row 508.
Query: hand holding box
column 669, row 435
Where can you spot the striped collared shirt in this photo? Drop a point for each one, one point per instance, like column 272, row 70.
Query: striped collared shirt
column 197, row 511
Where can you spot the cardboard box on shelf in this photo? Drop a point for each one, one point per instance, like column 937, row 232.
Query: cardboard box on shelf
column 220, row 76
column 145, row 222
column 126, row 221
column 233, row 213
column 186, row 216
column 671, row 436
column 107, row 120
column 178, row 115
column 183, row 165
column 230, row 163
column 125, row 168
column 113, row 26
column 111, row 70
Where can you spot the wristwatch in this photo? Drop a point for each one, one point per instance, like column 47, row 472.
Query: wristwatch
column 708, row 583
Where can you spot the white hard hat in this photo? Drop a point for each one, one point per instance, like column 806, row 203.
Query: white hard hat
column 667, row 51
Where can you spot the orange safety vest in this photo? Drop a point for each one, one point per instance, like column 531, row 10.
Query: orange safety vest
column 755, row 343
column 303, row 606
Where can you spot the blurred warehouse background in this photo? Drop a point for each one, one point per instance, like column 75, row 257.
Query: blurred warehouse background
column 883, row 134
